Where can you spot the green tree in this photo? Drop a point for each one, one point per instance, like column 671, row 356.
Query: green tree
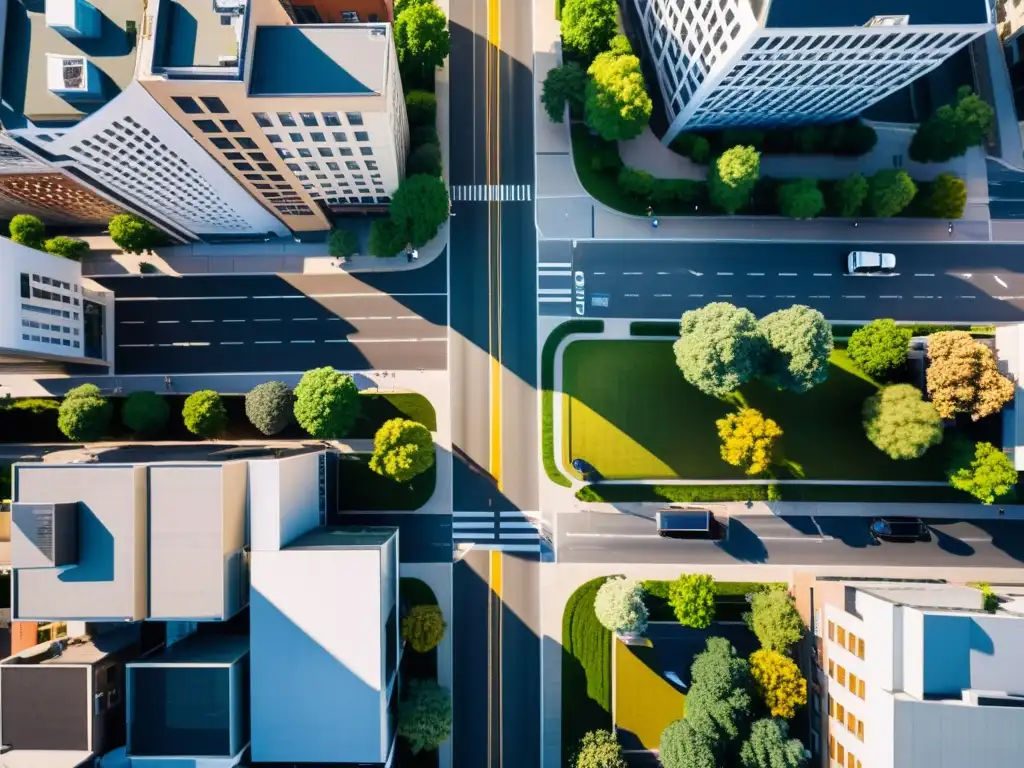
column 773, row 618
column 769, row 746
column 616, row 104
column 619, row 606
column 326, row 403
column 422, row 39
column 880, row 348
column 748, row 440
column 889, row 192
column 599, row 749
column 84, row 414
column 270, row 407
column 778, row 681
column 809, row 139
column 964, row 377
column 946, row 197
column 386, row 239
column 27, row 230
column 145, row 413
column 424, row 134
column 419, row 207
column 425, row 159
column 204, row 413
column 567, row 83
column 800, row 342
column 425, row 715
column 987, row 475
column 620, row 45
column 743, row 137
column 732, row 177
column 719, row 700
column 402, row 449
column 421, row 108
column 952, row 129
column 719, row 348
column 68, row 247
column 636, row 183
column 849, row 194
column 401, row 5
column 974, row 117
column 133, row 234
column 343, row 243
column 900, row 423
column 588, row 27
column 683, row 746
column 423, row 627
column 692, row 597
column 801, row 199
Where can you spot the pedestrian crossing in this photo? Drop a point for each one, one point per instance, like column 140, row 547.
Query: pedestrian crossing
column 484, row 193
column 554, row 282
column 509, row 531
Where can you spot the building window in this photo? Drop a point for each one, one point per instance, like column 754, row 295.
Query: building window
column 330, row 118
column 339, row 136
column 860, row 648
column 258, row 156
column 303, row 152
column 362, row 136
column 366, row 151
column 246, row 143
column 188, row 105
column 831, row 668
column 308, row 118
column 285, row 153
column 831, row 630
column 296, row 138
column 213, row 104
column 234, row 156
column 352, row 165
column 25, row 290
column 841, row 636
column 306, row 14
column 221, row 143
column 860, row 688
column 860, row 730
column 267, row 167
column 232, row 126
column 350, row 17
column 354, row 118
column 273, row 138
column 207, row 126
column 371, row 165
column 275, row 177
column 254, row 176
column 325, row 151
column 244, row 167
column 262, row 119
column 840, row 675
column 345, row 151
column 853, row 684
column 317, row 136
column 286, row 118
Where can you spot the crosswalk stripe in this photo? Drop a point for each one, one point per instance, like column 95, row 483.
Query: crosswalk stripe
column 554, row 265
column 554, row 290
column 554, row 273
column 479, row 193
column 555, row 299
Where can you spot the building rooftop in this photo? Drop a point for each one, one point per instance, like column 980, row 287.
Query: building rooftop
column 926, row 596
column 347, row 537
column 25, row 90
column 321, row 60
column 857, row 13
column 194, row 33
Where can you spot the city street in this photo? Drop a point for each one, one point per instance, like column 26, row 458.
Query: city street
column 198, row 324
column 934, row 282
column 617, row 538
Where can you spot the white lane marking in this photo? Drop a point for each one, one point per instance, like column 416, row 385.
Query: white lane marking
column 632, row 295
column 599, row 273
column 167, row 322
column 787, row 274
column 232, row 343
column 969, row 275
column 132, row 322
column 177, row 298
column 553, row 264
column 201, row 321
column 612, row 535
column 632, row 273
column 232, row 321
column 186, row 344
column 302, row 319
column 660, row 273
column 784, row 296
column 506, row 535
column 823, row 274
column 476, row 525
column 696, row 296
column 811, row 539
column 303, row 341
column 999, row 280
column 853, row 297
column 725, row 295
column 755, row 274
column 555, row 299
column 277, row 297
column 457, row 535
column 967, row 297
column 693, row 272
column 267, row 342
column 925, row 297
column 383, row 341
column 267, row 320
column 755, row 296
column 396, row 317
column 566, row 273
column 663, row 295
column 924, row 274
column 554, row 290
column 890, row 297
column 724, row 274
column 136, row 346
column 825, row 296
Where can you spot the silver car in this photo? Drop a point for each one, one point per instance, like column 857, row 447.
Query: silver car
column 871, row 264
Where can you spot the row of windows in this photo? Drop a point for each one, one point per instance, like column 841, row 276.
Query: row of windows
column 846, row 718
column 903, row 38
column 848, row 640
column 47, row 311
column 319, row 137
column 44, row 280
column 838, row 673
column 48, row 327
column 309, row 119
column 51, row 340
column 840, row 755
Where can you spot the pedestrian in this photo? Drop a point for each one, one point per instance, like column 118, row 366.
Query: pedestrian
column 168, row 383
column 450, row 211
column 951, row 227
column 408, row 252
column 1002, row 512
column 856, row 224
column 415, row 254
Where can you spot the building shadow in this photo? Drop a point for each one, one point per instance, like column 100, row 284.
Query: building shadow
column 95, row 550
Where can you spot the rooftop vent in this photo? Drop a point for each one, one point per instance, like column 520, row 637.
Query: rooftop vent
column 72, row 77
column 73, row 18
column 888, row 21
column 378, row 31
column 234, row 7
column 44, row 535
column 73, row 73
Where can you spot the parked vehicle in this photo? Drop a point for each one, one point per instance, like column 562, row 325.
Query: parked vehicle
column 870, row 264
column 687, row 523
column 587, row 470
column 899, row 529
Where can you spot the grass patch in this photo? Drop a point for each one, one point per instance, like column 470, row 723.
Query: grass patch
column 645, row 702
column 898, row 494
column 363, row 489
column 378, row 408
column 586, row 669
column 653, row 328
column 547, row 378
column 618, row 423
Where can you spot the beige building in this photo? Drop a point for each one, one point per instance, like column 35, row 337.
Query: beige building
column 310, row 118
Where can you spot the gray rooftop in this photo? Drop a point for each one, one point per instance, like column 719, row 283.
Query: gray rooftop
column 925, row 596
column 321, row 60
column 24, row 90
column 189, row 33
column 856, row 13
column 345, row 537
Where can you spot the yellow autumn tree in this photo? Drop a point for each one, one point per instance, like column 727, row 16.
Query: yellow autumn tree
column 748, row 440
column 963, row 376
column 778, row 681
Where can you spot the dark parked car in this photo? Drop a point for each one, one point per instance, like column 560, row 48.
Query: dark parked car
column 674, row 522
column 586, row 470
column 899, row 529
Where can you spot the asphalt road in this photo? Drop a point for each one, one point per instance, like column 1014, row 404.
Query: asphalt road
column 616, row 538
column 935, row 282
column 287, row 322
column 1005, row 192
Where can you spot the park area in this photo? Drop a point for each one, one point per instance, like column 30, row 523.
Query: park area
column 628, row 411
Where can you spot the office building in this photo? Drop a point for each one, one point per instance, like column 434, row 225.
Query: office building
column 310, row 118
column 49, row 312
column 337, row 11
column 70, row 101
column 912, row 674
column 724, row 63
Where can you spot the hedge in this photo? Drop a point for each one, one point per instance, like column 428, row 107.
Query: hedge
column 653, row 328
column 586, row 668
column 730, row 598
column 850, row 138
column 894, row 494
column 922, row 329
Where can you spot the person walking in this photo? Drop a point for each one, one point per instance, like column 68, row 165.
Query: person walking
column 168, row 384
column 650, row 215
column 408, row 252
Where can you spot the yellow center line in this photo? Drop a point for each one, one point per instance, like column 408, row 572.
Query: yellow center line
column 494, row 232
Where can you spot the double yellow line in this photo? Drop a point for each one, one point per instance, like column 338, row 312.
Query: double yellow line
column 493, row 176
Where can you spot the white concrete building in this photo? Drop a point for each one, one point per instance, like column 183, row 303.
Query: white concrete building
column 48, row 312
column 723, row 63
column 918, row 676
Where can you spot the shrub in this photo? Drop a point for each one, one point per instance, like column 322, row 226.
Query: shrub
column 425, row 715
column 748, row 440
column 809, row 139
column 424, row 134
column 423, row 628
column 880, row 348
column 145, row 413
column 900, row 423
column 944, row 198
column 68, row 247
column 426, row 158
column 684, row 746
column 343, row 243
column 774, row 619
column 692, row 597
column 133, row 234
column 619, row 606
column 421, row 108
column 849, row 195
column 84, row 414
column 204, row 413
column 768, row 746
column 27, row 230
column 963, row 376
column 719, row 348
column 146, row 268
column 564, row 84
column 800, row 199
column 402, row 449
column 620, row 45
column 889, row 192
column 588, row 27
column 799, row 343
column 326, row 403
column 385, row 238
column 733, row 176
column 637, row 184
column 952, row 129
column 419, row 207
column 989, row 599
column 616, row 104
column 987, row 476
column 599, row 749
column 605, row 156
column 270, row 406
column 778, row 680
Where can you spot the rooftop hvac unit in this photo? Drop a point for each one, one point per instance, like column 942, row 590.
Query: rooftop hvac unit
column 74, row 73
column 888, row 21
column 227, row 61
column 234, row 7
column 72, row 77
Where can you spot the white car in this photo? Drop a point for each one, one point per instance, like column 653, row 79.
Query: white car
column 870, row 263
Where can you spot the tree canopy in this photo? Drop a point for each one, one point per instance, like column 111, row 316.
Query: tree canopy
column 769, row 746
column 945, row 197
column 619, row 606
column 963, row 376
column 419, row 207
column 68, row 247
column 599, row 749
column 900, row 423
column 799, row 341
column 402, row 449
column 849, row 194
column 616, row 104
column 342, row 243
column 423, row 627
column 683, row 746
column 270, row 406
column 952, row 129
column 778, row 681
column 422, row 39
column 748, row 440
column 420, row 108
column 720, row 348
column 204, row 413
column 732, row 178
column 84, row 414
column 889, row 192
column 145, row 413
column 801, row 199
column 567, row 83
column 326, row 403
column 133, row 234
column 773, row 618
column 28, row 230
column 425, row 159
column 588, row 27
column 692, row 597
column 719, row 701
column 880, row 348
column 425, row 715
column 987, row 475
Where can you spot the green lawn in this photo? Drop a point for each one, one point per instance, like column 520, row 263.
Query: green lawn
column 586, row 669
column 629, row 412
column 378, row 408
column 645, row 702
column 892, row 494
column 363, row 489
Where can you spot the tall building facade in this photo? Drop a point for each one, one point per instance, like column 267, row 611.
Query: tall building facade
column 70, row 101
column 723, row 63
column 309, row 118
